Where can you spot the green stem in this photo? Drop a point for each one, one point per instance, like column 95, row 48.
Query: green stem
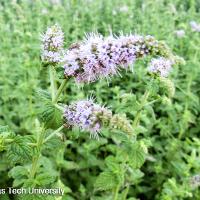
column 61, row 108
column 126, row 193
column 54, row 133
column 60, row 90
column 183, row 127
column 52, row 81
column 138, row 114
column 152, row 102
column 36, row 158
column 8, row 140
column 116, row 192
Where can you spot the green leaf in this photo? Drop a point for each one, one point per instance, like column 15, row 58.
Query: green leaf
column 4, row 197
column 43, row 95
column 19, row 174
column 20, row 150
column 134, row 176
column 68, row 165
column 136, row 156
column 106, row 181
column 52, row 145
column 50, row 115
column 45, row 179
column 4, row 129
column 112, row 163
column 61, row 185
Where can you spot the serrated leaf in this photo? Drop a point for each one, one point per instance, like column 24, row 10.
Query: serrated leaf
column 136, row 156
column 6, row 132
column 20, row 150
column 43, row 95
column 106, row 181
column 45, row 179
column 19, row 174
column 4, row 129
column 112, row 163
column 46, row 165
column 50, row 116
column 53, row 144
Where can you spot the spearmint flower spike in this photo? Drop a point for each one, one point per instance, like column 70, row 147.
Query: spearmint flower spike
column 98, row 57
column 88, row 116
column 52, row 45
column 92, row 117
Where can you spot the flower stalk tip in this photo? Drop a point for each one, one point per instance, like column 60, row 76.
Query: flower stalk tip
column 52, row 45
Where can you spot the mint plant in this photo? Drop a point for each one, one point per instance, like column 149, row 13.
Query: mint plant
column 38, row 160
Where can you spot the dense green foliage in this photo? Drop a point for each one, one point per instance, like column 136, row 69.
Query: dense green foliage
column 165, row 156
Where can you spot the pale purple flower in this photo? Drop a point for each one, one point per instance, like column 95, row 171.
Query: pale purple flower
column 160, row 66
column 97, row 57
column 52, row 44
column 72, row 61
column 195, row 26
column 180, row 33
column 51, row 56
column 86, row 115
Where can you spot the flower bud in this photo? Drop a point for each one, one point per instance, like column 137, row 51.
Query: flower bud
column 122, row 123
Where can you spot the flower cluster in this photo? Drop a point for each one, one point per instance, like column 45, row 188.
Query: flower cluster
column 87, row 115
column 160, row 66
column 98, row 57
column 52, row 44
column 195, row 26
